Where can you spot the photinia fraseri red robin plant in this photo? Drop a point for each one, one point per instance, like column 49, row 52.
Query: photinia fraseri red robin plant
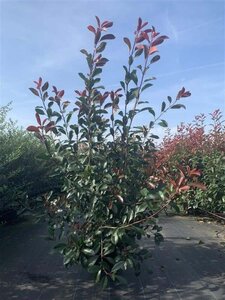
column 199, row 147
column 106, row 204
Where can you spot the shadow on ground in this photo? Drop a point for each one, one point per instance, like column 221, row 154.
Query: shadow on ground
column 190, row 264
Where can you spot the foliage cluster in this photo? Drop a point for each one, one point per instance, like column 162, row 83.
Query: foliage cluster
column 200, row 146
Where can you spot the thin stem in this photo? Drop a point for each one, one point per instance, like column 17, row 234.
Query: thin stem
column 142, row 220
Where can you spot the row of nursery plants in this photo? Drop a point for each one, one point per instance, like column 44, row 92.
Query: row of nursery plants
column 24, row 173
column 198, row 145
column 108, row 201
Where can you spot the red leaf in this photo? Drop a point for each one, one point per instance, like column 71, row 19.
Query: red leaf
column 152, row 50
column 32, row 128
column 55, row 90
column 102, row 62
column 140, row 46
column 144, row 24
column 139, row 24
column 39, row 82
column 91, row 28
column 127, row 41
column 108, row 37
column 49, row 126
column 60, row 94
column 186, row 94
column 159, row 40
column 107, row 24
column 185, row 188
column 140, row 39
column 148, row 30
column 145, row 35
column 180, row 181
column 173, row 183
column 44, row 121
column 97, row 58
column 38, row 118
column 194, row 172
column 182, row 94
column 198, row 185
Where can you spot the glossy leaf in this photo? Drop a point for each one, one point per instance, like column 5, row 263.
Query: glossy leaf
column 107, row 37
column 128, row 43
column 34, row 91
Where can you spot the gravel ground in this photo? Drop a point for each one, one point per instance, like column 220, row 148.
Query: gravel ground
column 189, row 264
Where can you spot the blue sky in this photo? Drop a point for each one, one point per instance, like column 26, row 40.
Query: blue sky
column 43, row 38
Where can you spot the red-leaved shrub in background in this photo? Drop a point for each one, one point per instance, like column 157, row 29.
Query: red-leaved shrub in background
column 201, row 146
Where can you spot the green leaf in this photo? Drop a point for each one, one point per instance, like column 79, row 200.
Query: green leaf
column 151, row 124
column 144, row 192
column 70, row 135
column 61, row 129
column 45, row 87
column 153, row 136
column 49, row 112
column 169, row 99
column 147, row 85
column 163, row 106
column 50, row 103
column 40, row 111
column 122, row 84
column 92, row 261
column 34, row 91
column 93, row 269
column 163, row 123
column 101, row 47
column 82, row 76
column 68, row 257
column 119, row 265
column 60, row 247
column 177, row 106
column 133, row 76
column 140, row 208
column 149, row 79
column 108, row 105
column 97, row 71
column 84, row 52
column 151, row 111
column 138, row 52
column 68, row 117
column 127, row 41
column 115, row 237
column 109, row 248
column 155, row 59
column 108, row 37
column 131, row 60
column 105, row 282
column 98, row 276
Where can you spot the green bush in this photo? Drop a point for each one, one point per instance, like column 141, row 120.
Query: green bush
column 24, row 173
